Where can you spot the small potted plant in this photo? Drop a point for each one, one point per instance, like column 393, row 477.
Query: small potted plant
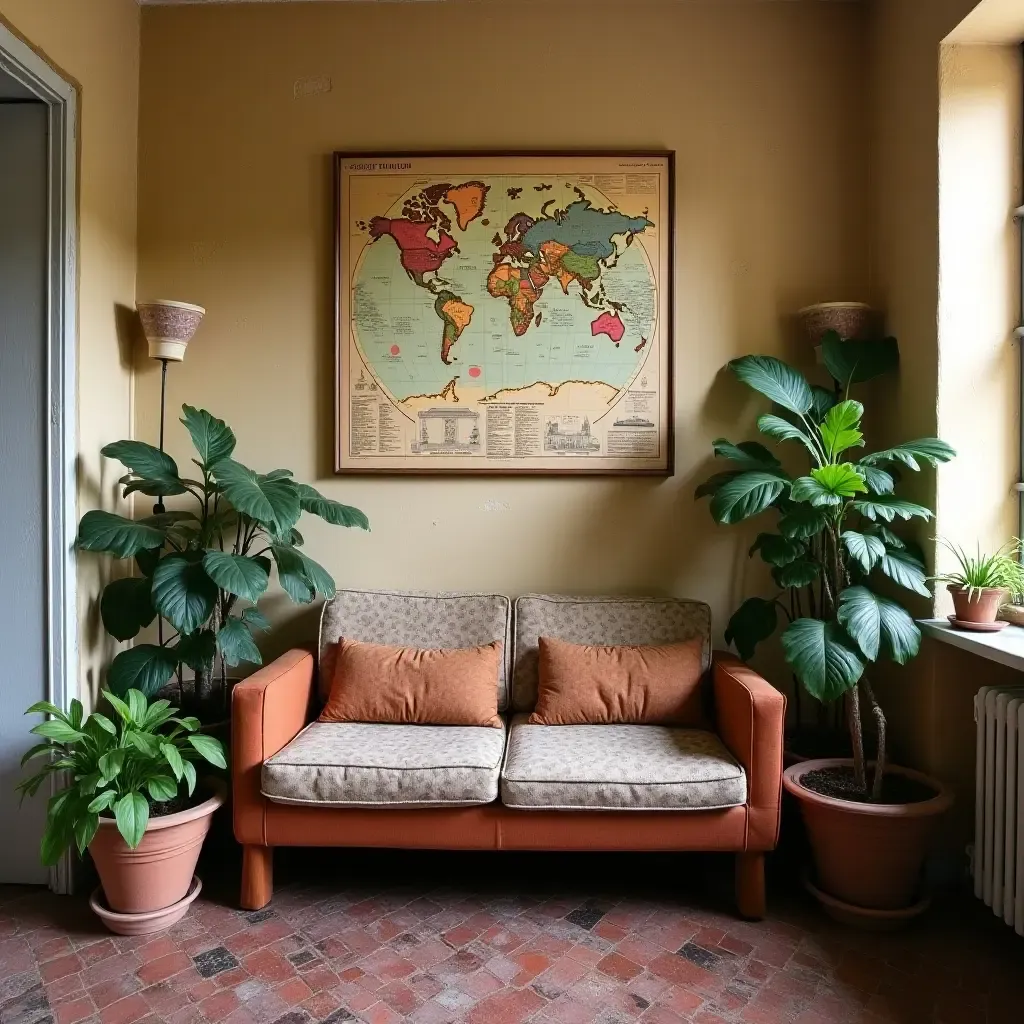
column 981, row 584
column 133, row 798
column 869, row 824
column 202, row 570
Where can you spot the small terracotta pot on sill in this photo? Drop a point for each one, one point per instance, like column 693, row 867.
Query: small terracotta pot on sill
column 981, row 605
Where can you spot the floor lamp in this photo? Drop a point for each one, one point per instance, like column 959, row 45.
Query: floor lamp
column 168, row 326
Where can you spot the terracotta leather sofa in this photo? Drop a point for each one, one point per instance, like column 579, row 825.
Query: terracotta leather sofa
column 298, row 782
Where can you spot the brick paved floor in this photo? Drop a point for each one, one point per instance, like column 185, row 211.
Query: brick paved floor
column 386, row 938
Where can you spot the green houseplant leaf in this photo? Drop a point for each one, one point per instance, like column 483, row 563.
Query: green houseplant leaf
column 333, row 512
column 877, row 480
column 856, row 360
column 889, row 508
column 197, row 650
column 131, row 813
column 821, row 657
column 237, row 574
column 144, row 667
column 213, row 438
column 802, row 523
column 864, row 548
column 236, row 643
column 754, row 621
column 746, row 495
column 800, row 573
column 873, row 621
column 776, row 381
column 776, row 549
column 104, row 531
column 828, row 485
column 126, row 607
column 840, row 430
column 747, row 454
column 903, row 568
column 157, row 470
column 274, row 502
column 926, row 449
column 183, row 593
column 782, row 430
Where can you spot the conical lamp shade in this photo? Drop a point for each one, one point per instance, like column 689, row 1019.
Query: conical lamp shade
column 169, row 327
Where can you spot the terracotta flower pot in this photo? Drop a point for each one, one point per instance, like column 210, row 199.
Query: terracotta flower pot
column 158, row 873
column 981, row 606
column 868, row 856
column 848, row 319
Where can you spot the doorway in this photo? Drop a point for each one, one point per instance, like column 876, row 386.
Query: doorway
column 38, row 236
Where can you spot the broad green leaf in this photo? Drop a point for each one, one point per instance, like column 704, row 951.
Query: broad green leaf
column 821, row 658
column 144, row 667
column 888, row 508
column 213, row 438
column 238, row 575
column 147, row 560
column 823, row 399
column 776, row 549
column 209, row 748
column 926, row 449
column 747, row 454
column 236, row 643
column 828, row 485
column 889, row 538
column 255, row 619
column 855, row 360
column 197, row 650
column 754, row 621
column 102, row 801
column 318, row 576
column 102, row 722
column 158, row 471
column 38, row 750
column 104, row 531
column 111, row 763
column 122, row 709
column 44, row 707
column 711, row 485
column 189, row 771
column 162, row 788
column 85, row 828
column 173, row 757
column 903, row 568
column 277, row 474
column 839, row 429
column 331, row 511
column 157, row 713
column 75, row 713
column 776, row 381
column 138, row 706
column 273, row 502
column 183, row 593
column 800, row 573
column 56, row 839
column 747, row 495
column 132, row 815
column 802, row 523
column 876, row 622
column 864, row 548
column 144, row 742
column 878, row 480
column 782, row 430
column 292, row 575
column 58, row 731
column 125, row 607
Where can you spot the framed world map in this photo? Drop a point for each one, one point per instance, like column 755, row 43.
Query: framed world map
column 504, row 313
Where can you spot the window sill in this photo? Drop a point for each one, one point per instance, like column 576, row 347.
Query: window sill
column 1005, row 647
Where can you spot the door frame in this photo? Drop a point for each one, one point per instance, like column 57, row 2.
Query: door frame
column 19, row 60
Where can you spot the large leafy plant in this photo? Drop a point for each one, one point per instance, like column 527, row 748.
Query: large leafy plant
column 833, row 537
column 116, row 769
column 195, row 565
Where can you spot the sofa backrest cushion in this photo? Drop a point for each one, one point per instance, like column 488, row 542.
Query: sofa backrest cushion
column 605, row 621
column 402, row 619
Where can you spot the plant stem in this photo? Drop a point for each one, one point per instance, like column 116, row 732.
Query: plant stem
column 856, row 737
column 876, row 710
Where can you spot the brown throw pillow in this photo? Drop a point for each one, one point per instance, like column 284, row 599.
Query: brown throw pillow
column 406, row 685
column 584, row 685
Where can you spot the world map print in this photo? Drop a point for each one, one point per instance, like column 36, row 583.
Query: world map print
column 530, row 280
column 504, row 314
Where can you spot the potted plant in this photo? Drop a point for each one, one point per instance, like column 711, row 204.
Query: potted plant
column 981, row 585
column 868, row 824
column 133, row 798
column 195, row 565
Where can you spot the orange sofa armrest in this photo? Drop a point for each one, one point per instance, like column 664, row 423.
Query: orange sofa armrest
column 751, row 717
column 268, row 710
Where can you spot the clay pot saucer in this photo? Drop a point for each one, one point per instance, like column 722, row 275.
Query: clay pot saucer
column 150, row 920
column 977, row 627
column 864, row 917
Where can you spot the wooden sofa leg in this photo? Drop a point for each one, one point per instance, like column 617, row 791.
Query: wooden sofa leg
column 257, row 876
column 750, row 890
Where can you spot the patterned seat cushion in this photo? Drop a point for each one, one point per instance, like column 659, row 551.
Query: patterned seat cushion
column 603, row 621
column 618, row 767
column 400, row 619
column 359, row 765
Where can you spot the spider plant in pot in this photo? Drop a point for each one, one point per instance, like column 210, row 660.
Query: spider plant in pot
column 131, row 794
column 869, row 824
column 982, row 582
column 203, row 569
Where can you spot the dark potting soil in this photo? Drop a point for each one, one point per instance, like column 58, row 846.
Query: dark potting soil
column 840, row 784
